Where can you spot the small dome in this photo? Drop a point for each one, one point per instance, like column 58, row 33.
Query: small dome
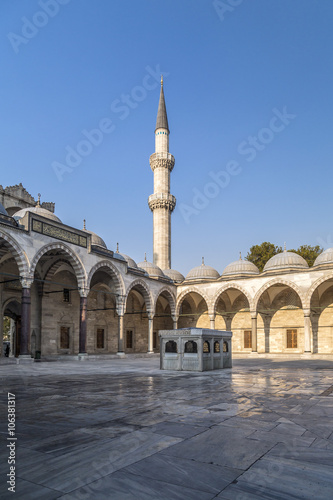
column 38, row 211
column 151, row 269
column 174, row 275
column 285, row 260
column 95, row 239
column 202, row 272
column 3, row 211
column 326, row 257
column 130, row 261
column 240, row 267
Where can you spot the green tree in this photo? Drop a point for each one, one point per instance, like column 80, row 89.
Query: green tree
column 6, row 327
column 260, row 254
column 309, row 253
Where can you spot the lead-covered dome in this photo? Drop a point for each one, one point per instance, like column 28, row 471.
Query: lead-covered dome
column 174, row 275
column 151, row 269
column 38, row 210
column 286, row 260
column 202, row 272
column 240, row 267
column 129, row 260
column 326, row 257
column 95, row 239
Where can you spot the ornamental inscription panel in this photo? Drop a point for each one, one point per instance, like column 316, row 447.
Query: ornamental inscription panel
column 59, row 233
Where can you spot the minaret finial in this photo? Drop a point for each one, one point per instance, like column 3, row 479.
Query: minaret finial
column 203, row 261
column 117, row 251
column 38, row 201
column 84, row 224
column 285, row 247
column 161, row 80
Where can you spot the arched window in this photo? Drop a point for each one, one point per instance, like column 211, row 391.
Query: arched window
column 191, row 347
column 171, row 346
column 225, row 346
column 216, row 346
column 206, row 346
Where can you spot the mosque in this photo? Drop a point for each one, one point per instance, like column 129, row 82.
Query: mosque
column 67, row 295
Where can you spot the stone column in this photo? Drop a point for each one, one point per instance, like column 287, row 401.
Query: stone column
column 150, row 333
column 254, row 332
column 175, row 322
column 121, row 313
column 25, row 319
column 212, row 321
column 307, row 331
column 83, row 325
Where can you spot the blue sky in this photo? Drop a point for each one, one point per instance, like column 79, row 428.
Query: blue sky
column 248, row 88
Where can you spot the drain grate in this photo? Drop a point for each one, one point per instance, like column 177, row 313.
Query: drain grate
column 327, row 392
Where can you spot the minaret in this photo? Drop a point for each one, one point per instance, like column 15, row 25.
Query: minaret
column 162, row 203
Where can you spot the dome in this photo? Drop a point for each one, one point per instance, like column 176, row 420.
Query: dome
column 326, row 257
column 151, row 269
column 3, row 211
column 202, row 272
column 38, row 211
column 174, row 275
column 95, row 239
column 240, row 267
column 130, row 261
column 285, row 260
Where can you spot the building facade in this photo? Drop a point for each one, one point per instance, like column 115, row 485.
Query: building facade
column 66, row 294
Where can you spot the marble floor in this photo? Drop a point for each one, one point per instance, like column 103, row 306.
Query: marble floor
column 123, row 430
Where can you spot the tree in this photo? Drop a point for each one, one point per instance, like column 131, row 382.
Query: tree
column 6, row 327
column 309, row 253
column 260, row 254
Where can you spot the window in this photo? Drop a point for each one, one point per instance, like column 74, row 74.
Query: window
column 206, row 346
column 291, row 339
column 129, row 339
column 66, row 296
column 64, row 337
column 247, row 339
column 225, row 346
column 216, row 346
column 100, row 338
column 191, row 347
column 171, row 346
column 154, row 340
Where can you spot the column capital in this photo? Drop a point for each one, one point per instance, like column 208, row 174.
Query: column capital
column 84, row 292
column 254, row 314
column 150, row 315
column 26, row 281
column 307, row 312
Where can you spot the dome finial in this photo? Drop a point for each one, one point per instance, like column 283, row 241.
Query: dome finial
column 240, row 255
column 285, row 247
column 38, row 201
column 84, row 224
column 203, row 261
column 117, row 251
column 145, row 257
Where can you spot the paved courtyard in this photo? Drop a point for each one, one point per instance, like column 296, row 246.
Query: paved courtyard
column 124, row 430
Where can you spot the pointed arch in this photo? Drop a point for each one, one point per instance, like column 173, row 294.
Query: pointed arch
column 20, row 256
column 172, row 299
column 314, row 286
column 192, row 289
column 144, row 289
column 229, row 286
column 74, row 259
column 115, row 274
column 277, row 281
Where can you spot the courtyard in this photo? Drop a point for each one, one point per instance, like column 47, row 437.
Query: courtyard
column 121, row 429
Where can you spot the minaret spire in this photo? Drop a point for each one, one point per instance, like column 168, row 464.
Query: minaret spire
column 162, row 203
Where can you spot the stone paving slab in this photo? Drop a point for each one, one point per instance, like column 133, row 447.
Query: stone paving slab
column 123, row 430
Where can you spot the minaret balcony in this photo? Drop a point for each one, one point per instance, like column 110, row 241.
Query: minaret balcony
column 164, row 160
column 162, row 200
